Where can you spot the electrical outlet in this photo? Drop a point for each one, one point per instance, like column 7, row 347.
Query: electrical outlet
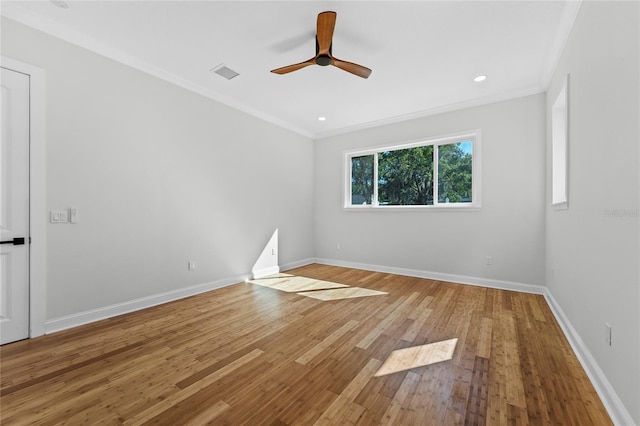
column 488, row 260
column 191, row 265
column 607, row 333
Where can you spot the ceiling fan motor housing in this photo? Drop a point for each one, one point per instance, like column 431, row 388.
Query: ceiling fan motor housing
column 323, row 60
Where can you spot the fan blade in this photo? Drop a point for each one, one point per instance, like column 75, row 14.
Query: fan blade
column 324, row 31
column 294, row 67
column 356, row 69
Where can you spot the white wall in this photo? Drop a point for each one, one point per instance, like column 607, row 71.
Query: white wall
column 509, row 227
column 160, row 176
column 593, row 255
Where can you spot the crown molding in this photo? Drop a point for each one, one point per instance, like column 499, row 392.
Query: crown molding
column 434, row 111
column 84, row 41
column 562, row 36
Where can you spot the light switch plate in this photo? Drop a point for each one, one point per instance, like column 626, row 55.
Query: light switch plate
column 59, row 216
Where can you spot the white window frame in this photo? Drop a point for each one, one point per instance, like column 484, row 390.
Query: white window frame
column 560, row 149
column 476, row 184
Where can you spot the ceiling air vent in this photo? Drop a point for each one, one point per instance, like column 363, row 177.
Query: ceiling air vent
column 224, row 71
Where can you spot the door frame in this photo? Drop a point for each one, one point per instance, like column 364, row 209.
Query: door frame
column 37, row 193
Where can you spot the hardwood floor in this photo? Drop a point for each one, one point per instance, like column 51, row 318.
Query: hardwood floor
column 254, row 355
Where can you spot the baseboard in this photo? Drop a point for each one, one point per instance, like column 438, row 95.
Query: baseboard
column 86, row 317
column 617, row 411
column 462, row 279
column 266, row 271
column 297, row 264
column 93, row 315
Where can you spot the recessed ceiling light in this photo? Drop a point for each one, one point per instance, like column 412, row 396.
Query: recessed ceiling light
column 322, row 118
column 479, row 78
column 60, row 3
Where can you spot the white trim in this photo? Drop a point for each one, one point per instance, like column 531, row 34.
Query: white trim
column 562, row 36
column 564, row 205
column 506, row 96
column 297, row 264
column 461, row 279
column 618, row 413
column 614, row 406
column 37, row 194
column 456, row 207
column 412, row 143
column 376, row 187
column 86, row 317
column 260, row 273
column 72, row 36
column 93, row 315
column 474, row 135
column 436, row 176
column 560, row 148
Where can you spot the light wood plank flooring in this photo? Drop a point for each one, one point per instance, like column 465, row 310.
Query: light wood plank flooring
column 254, row 355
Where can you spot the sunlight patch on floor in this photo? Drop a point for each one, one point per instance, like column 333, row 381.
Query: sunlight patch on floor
column 294, row 284
column 342, row 293
column 316, row 289
column 417, row 356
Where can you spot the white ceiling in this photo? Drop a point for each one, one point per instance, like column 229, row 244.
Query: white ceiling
column 424, row 54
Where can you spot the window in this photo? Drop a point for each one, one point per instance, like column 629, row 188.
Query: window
column 438, row 173
column 362, row 180
column 559, row 148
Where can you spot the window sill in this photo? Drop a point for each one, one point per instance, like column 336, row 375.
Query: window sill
column 458, row 208
column 563, row 205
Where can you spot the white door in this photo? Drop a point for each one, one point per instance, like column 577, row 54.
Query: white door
column 14, row 211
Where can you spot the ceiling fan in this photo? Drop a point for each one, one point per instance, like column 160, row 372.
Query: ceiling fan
column 324, row 35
